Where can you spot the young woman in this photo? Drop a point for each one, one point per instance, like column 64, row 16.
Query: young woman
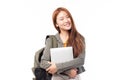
column 67, row 36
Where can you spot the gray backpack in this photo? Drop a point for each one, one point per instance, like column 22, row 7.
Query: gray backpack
column 41, row 74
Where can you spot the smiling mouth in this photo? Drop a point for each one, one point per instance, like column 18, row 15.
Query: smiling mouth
column 67, row 24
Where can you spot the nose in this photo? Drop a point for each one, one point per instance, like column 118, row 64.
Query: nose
column 66, row 20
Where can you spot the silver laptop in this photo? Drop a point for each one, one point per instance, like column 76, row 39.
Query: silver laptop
column 61, row 54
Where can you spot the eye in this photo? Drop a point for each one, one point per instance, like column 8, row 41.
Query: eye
column 61, row 19
column 67, row 16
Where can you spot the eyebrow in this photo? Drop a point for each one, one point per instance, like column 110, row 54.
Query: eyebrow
column 65, row 16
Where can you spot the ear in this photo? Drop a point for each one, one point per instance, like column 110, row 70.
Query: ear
column 56, row 25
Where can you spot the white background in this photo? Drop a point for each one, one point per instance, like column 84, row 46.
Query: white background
column 25, row 23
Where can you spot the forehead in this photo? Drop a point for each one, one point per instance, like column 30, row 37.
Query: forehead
column 62, row 14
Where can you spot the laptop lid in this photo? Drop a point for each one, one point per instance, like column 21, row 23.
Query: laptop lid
column 61, row 54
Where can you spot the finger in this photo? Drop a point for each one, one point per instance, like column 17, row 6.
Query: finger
column 75, row 69
column 49, row 62
column 47, row 69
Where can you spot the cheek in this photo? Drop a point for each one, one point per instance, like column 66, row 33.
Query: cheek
column 60, row 23
column 69, row 20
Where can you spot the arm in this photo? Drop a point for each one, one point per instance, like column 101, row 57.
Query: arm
column 61, row 67
column 67, row 67
column 77, row 62
column 46, row 55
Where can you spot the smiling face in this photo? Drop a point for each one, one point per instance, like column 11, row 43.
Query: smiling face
column 63, row 21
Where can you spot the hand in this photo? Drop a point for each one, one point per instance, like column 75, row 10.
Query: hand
column 72, row 73
column 52, row 69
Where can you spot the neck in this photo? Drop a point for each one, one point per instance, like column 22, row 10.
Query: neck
column 64, row 36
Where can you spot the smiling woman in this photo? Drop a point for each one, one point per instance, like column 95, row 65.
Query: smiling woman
column 67, row 36
column 63, row 21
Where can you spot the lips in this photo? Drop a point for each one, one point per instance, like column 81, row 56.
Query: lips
column 67, row 24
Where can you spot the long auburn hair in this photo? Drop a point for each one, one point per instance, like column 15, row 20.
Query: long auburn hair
column 76, row 40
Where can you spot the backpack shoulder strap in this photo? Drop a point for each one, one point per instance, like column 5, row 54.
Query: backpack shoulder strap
column 53, row 40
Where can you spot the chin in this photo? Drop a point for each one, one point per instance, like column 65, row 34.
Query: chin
column 68, row 28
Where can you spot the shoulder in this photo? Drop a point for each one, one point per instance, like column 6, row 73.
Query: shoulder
column 48, row 42
column 51, row 40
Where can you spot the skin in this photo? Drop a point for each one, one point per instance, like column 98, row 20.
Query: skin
column 64, row 24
